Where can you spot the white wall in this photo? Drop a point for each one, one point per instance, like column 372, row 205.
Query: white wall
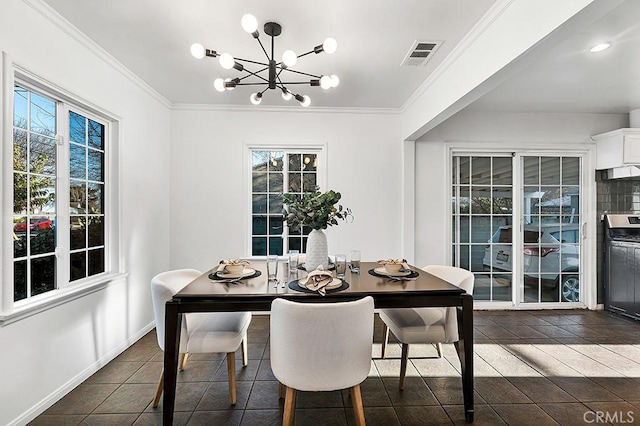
column 49, row 353
column 486, row 130
column 209, row 207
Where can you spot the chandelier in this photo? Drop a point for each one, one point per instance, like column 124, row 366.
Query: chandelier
column 270, row 73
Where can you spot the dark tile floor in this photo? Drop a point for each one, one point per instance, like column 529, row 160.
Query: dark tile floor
column 531, row 368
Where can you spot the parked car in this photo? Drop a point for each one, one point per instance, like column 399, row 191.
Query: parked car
column 35, row 223
column 554, row 246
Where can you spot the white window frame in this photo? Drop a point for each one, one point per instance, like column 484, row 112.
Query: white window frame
column 321, row 180
column 65, row 291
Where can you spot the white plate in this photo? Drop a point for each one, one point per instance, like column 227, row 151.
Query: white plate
column 245, row 273
column 383, row 271
column 337, row 282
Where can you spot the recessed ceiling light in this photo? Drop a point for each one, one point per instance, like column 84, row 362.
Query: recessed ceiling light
column 600, row 47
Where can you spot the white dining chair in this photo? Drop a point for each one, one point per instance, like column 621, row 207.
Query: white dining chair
column 321, row 347
column 425, row 325
column 200, row 332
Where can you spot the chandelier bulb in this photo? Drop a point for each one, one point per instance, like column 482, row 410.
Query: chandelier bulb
column 325, row 82
column 289, row 58
column 226, row 61
column 249, row 23
column 218, row 84
column 286, row 95
column 197, row 50
column 334, row 80
column 256, row 98
column 306, row 101
column 330, row 45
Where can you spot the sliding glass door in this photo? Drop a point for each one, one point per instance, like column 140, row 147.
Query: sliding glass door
column 551, row 218
column 516, row 226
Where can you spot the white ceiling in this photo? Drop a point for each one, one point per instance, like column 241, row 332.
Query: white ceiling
column 152, row 38
column 566, row 77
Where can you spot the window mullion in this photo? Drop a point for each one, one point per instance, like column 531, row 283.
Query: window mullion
column 285, row 189
column 62, row 198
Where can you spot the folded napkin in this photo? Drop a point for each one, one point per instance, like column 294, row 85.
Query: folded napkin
column 318, row 279
column 403, row 262
column 224, row 263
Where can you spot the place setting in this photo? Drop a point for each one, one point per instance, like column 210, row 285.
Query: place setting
column 323, row 281
column 319, row 281
column 395, row 270
column 233, row 271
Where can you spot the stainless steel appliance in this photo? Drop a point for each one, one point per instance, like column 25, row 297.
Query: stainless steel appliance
column 622, row 264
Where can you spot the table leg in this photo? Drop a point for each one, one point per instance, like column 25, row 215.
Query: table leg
column 172, row 321
column 464, row 348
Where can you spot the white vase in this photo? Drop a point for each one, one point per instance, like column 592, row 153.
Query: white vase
column 317, row 250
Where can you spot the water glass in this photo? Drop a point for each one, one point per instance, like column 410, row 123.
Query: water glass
column 341, row 265
column 355, row 261
column 272, row 268
column 293, row 261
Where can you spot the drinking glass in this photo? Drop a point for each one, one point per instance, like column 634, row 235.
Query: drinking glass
column 341, row 265
column 355, row 261
column 293, row 261
column 272, row 268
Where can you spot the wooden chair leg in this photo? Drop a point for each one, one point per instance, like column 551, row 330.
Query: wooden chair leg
column 183, row 360
column 403, row 364
column 281, row 390
column 245, row 353
column 156, row 399
column 439, row 349
column 289, row 407
column 385, row 339
column 231, row 372
column 358, row 409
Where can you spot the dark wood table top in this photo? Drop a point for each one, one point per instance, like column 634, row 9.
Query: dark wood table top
column 204, row 288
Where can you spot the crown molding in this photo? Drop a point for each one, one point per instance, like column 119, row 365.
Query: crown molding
column 287, row 109
column 72, row 31
column 497, row 9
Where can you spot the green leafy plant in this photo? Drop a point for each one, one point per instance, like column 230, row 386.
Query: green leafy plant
column 316, row 210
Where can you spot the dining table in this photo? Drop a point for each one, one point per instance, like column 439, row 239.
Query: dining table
column 256, row 293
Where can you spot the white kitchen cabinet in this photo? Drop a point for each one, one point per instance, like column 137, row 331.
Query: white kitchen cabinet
column 617, row 148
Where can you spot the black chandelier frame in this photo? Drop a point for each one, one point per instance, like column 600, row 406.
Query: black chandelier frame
column 275, row 69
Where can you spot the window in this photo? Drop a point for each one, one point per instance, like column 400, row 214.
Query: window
column 34, row 193
column 59, row 188
column 482, row 205
column 86, row 195
column 274, row 172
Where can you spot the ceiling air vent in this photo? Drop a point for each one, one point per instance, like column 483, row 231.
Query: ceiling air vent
column 420, row 53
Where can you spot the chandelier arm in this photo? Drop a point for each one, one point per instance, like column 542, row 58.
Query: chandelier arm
column 305, row 54
column 296, row 82
column 278, row 78
column 282, row 87
column 263, row 49
column 265, row 81
column 251, row 84
column 255, row 74
column 252, row 62
column 303, row 73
